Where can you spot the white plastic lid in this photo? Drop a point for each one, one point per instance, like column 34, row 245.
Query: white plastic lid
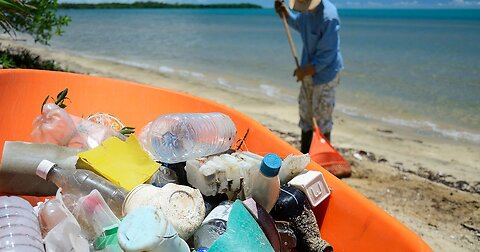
column 43, row 168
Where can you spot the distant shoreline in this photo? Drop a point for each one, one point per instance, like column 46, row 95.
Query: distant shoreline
column 155, row 5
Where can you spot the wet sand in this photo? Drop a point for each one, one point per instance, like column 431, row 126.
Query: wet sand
column 431, row 185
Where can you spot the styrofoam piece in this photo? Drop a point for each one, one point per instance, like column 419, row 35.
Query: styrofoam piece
column 313, row 184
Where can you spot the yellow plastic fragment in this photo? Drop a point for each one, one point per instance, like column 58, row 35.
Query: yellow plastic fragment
column 123, row 163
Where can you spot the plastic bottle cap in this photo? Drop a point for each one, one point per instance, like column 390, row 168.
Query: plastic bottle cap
column 270, row 165
column 43, row 168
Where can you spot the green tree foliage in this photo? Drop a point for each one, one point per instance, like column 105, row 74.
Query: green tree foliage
column 35, row 17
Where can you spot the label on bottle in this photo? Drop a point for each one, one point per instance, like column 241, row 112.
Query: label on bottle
column 220, row 212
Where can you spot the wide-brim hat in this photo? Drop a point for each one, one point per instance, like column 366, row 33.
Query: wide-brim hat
column 303, row 5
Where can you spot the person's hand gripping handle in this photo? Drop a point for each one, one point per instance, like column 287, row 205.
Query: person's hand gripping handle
column 280, row 8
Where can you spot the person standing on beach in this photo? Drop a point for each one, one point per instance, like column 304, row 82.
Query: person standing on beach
column 318, row 24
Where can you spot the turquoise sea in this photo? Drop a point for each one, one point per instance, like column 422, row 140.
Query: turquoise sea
column 408, row 67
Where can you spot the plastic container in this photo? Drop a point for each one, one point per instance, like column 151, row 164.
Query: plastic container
column 147, row 229
column 213, row 226
column 95, row 212
column 174, row 138
column 99, row 222
column 231, row 174
column 60, row 229
column 183, row 206
column 50, row 214
column 18, row 230
column 266, row 184
column 82, row 182
column 313, row 185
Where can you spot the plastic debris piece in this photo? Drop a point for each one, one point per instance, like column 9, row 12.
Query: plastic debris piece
column 243, row 233
column 183, row 205
column 292, row 206
column 19, row 164
column 147, row 229
column 266, row 222
column 107, row 120
column 123, row 163
column 226, row 173
column 94, row 215
column 313, row 184
column 56, row 126
column 292, row 166
column 357, row 156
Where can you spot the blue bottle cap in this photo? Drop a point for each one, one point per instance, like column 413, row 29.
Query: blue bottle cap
column 270, row 165
column 202, row 250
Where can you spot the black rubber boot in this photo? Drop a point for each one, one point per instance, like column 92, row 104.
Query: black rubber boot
column 327, row 136
column 306, row 141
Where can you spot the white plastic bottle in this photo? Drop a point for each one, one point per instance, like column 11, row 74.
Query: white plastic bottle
column 175, row 138
column 82, row 182
column 266, row 185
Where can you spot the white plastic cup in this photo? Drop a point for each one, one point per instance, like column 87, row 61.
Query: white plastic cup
column 19, row 229
column 12, row 241
column 19, row 220
column 17, row 211
column 14, row 201
column 11, row 231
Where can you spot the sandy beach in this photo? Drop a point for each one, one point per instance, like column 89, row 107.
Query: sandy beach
column 429, row 184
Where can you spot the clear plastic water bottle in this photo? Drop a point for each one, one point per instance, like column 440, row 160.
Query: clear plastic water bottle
column 82, row 182
column 213, row 226
column 19, row 228
column 266, row 185
column 174, row 138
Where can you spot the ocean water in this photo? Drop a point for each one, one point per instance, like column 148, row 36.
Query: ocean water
column 414, row 68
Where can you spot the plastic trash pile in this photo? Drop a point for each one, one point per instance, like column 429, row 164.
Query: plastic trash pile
column 179, row 187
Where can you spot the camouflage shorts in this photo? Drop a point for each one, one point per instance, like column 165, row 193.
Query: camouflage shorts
column 317, row 101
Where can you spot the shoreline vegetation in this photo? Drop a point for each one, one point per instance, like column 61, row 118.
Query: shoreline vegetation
column 22, row 58
column 155, row 5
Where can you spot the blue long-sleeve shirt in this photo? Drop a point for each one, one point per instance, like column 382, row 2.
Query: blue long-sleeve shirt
column 319, row 30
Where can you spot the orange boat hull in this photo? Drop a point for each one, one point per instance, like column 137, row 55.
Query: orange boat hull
column 347, row 220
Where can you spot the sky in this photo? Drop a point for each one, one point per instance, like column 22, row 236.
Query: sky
column 338, row 3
